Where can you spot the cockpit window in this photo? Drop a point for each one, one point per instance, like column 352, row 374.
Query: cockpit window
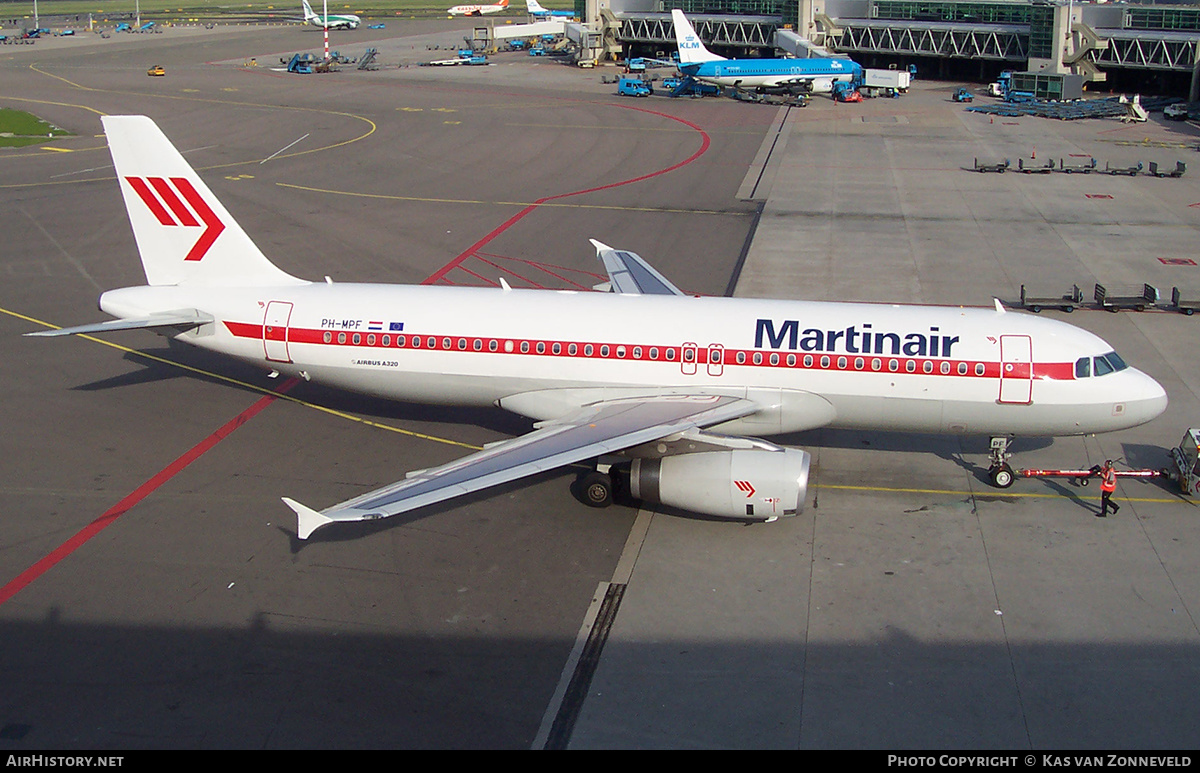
column 1109, row 363
column 1099, row 366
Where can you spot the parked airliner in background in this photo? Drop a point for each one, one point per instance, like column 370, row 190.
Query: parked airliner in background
column 344, row 21
column 794, row 75
column 534, row 8
column 667, row 388
column 477, row 10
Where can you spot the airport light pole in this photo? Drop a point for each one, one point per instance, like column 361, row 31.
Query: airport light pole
column 326, row 6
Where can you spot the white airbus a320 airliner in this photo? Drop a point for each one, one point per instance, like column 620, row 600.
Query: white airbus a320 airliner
column 680, row 385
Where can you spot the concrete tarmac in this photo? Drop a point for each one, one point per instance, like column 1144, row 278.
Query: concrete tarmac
column 911, row 606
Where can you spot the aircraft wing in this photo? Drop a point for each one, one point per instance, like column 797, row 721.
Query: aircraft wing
column 596, row 429
column 628, row 274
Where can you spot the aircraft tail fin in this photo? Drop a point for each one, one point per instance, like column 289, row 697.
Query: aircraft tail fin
column 183, row 233
column 691, row 48
column 309, row 14
column 503, row 3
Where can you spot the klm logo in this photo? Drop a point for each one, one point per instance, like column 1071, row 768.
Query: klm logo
column 690, row 42
column 856, row 339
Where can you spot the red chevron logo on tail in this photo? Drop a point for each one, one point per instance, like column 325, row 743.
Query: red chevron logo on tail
column 165, row 204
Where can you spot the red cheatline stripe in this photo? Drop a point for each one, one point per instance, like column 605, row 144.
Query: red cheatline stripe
column 440, row 274
column 141, row 492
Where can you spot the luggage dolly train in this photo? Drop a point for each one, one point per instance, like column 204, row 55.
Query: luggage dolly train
column 1185, row 459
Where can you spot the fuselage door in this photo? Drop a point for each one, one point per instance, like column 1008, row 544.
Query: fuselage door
column 275, row 331
column 716, row 359
column 1016, row 369
column 687, row 358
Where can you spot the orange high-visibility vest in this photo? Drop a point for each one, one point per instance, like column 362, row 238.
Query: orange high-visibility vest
column 1109, row 482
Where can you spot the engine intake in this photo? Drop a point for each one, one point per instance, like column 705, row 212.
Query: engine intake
column 741, row 483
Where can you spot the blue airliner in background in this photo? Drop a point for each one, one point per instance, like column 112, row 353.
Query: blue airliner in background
column 794, row 75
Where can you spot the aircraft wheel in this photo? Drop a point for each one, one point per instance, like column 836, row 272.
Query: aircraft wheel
column 1002, row 476
column 596, row 489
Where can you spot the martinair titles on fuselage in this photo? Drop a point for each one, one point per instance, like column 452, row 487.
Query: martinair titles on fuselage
column 856, row 339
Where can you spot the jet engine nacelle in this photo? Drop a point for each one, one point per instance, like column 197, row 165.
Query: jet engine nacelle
column 742, row 483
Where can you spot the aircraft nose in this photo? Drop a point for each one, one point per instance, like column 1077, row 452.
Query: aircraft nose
column 1148, row 400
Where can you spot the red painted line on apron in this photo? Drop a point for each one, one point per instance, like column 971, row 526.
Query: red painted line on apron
column 110, row 516
column 440, row 274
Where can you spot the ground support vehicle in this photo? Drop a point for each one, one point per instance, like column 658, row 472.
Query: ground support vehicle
column 1066, row 302
column 1148, row 298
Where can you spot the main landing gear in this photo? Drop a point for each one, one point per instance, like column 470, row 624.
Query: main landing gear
column 595, row 488
column 1000, row 473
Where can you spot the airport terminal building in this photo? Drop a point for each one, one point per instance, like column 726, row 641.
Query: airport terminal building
column 1150, row 48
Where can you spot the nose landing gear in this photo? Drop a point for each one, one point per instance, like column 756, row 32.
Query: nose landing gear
column 1000, row 473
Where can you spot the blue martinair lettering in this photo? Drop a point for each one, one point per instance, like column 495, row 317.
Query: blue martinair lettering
column 856, row 339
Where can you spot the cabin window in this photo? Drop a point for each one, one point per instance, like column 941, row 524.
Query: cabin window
column 808, row 360
column 671, row 355
column 430, row 343
column 654, row 352
column 328, row 337
column 893, row 365
column 357, row 339
column 876, row 363
column 493, row 345
column 841, row 363
column 524, row 347
column 588, row 349
column 791, row 360
column 446, row 343
column 477, row 345
column 386, row 340
column 556, row 348
column 962, row 368
column 825, row 361
column 637, row 352
column 370, row 339
column 741, row 358
column 541, row 347
column 621, row 352
column 572, row 349
column 758, row 358
column 979, row 369
column 858, row 363
column 927, row 366
column 603, row 350
column 945, row 368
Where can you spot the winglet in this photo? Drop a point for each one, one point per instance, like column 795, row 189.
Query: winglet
column 308, row 520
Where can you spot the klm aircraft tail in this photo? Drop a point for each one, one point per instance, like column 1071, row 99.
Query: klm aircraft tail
column 184, row 235
column 691, row 48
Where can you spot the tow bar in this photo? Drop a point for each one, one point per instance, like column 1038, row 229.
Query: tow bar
column 1081, row 477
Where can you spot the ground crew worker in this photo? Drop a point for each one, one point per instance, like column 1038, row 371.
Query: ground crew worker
column 1108, row 484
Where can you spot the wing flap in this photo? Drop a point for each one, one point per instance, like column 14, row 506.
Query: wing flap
column 597, row 429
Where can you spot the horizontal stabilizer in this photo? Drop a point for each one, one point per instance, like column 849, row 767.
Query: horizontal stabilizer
column 186, row 319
